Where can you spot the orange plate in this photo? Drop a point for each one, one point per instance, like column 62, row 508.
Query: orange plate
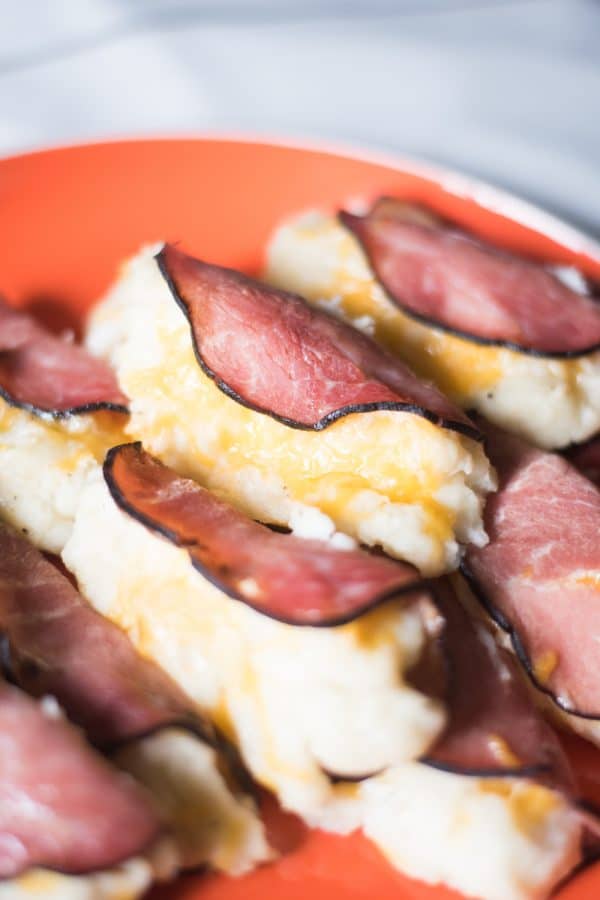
column 69, row 216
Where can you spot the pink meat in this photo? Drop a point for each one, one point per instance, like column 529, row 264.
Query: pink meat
column 61, row 805
column 453, row 280
column 57, row 644
column 540, row 572
column 276, row 354
column 46, row 374
column 303, row 582
column 494, row 728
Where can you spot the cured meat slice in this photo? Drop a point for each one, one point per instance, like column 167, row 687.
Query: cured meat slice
column 452, row 280
column 56, row 643
column 494, row 728
column 291, row 579
column 270, row 351
column 61, row 805
column 540, row 572
column 45, row 374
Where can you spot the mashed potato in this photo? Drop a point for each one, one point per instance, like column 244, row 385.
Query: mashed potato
column 385, row 478
column 352, row 711
column 497, row 839
column 209, row 824
column 44, row 464
column 550, row 402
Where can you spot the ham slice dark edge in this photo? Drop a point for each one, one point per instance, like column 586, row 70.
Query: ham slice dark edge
column 41, row 373
column 56, row 643
column 539, row 575
column 297, row 581
column 494, row 728
column 450, row 280
column 272, row 352
column 62, row 806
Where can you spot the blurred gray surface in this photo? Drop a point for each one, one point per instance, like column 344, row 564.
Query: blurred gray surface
column 506, row 89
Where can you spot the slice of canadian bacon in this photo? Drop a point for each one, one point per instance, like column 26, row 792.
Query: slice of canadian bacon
column 540, row 572
column 494, row 728
column 62, row 806
column 291, row 579
column 450, row 280
column 56, row 644
column 45, row 374
column 320, row 370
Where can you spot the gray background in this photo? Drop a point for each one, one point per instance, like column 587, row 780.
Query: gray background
column 506, row 89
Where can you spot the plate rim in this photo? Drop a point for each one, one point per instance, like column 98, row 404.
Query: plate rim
column 485, row 194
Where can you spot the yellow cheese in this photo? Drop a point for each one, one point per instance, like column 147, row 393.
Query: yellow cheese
column 529, row 804
column 392, row 453
column 544, row 665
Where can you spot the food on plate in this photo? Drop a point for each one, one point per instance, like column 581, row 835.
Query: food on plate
column 255, row 623
column 491, row 810
column 539, row 576
column 71, row 826
column 510, row 337
column 241, row 617
column 60, row 411
column 288, row 412
column 56, row 645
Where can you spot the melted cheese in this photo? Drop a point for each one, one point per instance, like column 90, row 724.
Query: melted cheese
column 529, row 804
column 544, row 665
column 502, row 751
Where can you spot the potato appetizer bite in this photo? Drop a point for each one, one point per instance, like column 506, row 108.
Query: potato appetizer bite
column 289, row 413
column 60, row 411
column 497, row 333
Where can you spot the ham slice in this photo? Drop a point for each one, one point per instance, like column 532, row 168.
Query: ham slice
column 293, row 580
column 451, row 280
column 55, row 643
column 539, row 576
column 494, row 728
column 44, row 374
column 62, row 806
column 272, row 352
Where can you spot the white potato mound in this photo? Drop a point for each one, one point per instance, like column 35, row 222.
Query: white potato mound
column 387, row 478
column 44, row 464
column 495, row 839
column 297, row 701
column 550, row 402
column 208, row 823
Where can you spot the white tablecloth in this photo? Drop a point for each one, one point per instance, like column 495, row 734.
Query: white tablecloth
column 507, row 90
